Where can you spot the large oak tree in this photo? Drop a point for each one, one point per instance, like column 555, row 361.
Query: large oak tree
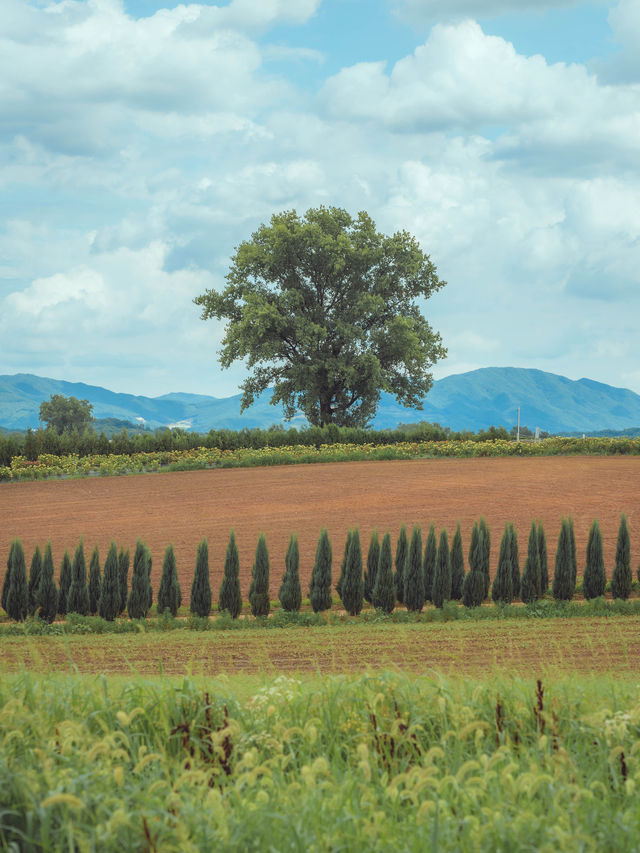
column 324, row 310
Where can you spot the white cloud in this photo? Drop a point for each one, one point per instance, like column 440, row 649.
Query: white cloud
column 423, row 11
column 624, row 65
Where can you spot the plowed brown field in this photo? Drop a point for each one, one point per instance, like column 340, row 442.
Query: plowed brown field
column 184, row 507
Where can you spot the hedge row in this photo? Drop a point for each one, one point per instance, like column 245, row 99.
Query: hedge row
column 434, row 574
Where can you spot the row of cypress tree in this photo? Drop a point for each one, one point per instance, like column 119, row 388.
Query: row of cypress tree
column 435, row 575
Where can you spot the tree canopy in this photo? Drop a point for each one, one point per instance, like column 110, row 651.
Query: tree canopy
column 324, row 310
column 66, row 413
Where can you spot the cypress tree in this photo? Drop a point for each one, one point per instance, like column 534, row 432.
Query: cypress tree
column 123, row 578
column 149, row 587
column 502, row 587
column 7, row 579
column 65, row 584
column 441, row 590
column 259, row 590
column 530, row 581
column 109, row 604
column 290, row 594
column 485, row 555
column 457, row 566
column 78, row 599
column 413, row 577
column 18, row 597
column 473, row 587
column 169, row 594
column 35, row 576
column 574, row 555
column 138, row 601
column 621, row 579
column 48, row 594
column 429, row 562
column 402, row 548
column 373, row 558
column 230, row 597
column 95, row 582
column 201, row 587
column 562, row 586
column 353, row 584
column 475, row 562
column 544, row 566
column 515, row 562
column 343, row 564
column 320, row 589
column 594, row 581
column 384, row 594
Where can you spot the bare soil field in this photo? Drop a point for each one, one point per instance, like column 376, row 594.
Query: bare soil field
column 184, row 507
column 533, row 648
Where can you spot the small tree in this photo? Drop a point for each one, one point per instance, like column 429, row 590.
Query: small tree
column 149, row 587
column 78, row 600
column 384, row 594
column 515, row 562
column 574, row 555
column 353, row 585
column 457, row 565
column 95, row 582
column 35, row 576
column 65, row 584
column 622, row 578
column 595, row 579
column 441, row 590
column 485, row 555
column 429, row 562
column 123, row 578
column 530, row 582
column 169, row 595
column 502, row 588
column 290, row 594
column 18, row 597
column 7, row 579
column 320, row 589
column 562, row 587
column 109, row 604
column 402, row 549
column 259, row 590
column 230, row 597
column 373, row 558
column 48, row 594
column 544, row 566
column 413, row 577
column 473, row 587
column 201, row 587
column 343, row 564
column 138, row 602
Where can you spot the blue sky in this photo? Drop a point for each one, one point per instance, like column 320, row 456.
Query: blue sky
column 140, row 141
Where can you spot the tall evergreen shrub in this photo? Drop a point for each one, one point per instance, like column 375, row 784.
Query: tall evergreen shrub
column 485, row 554
column 562, row 586
column 18, row 597
column 441, row 588
column 384, row 594
column 515, row 562
column 594, row 581
column 109, row 604
column 530, row 583
column 429, row 562
column 138, row 601
column 259, row 590
column 35, row 576
column 353, row 584
column 320, row 588
column 201, row 587
column 413, row 577
column 574, row 555
column 149, row 587
column 169, row 594
column 622, row 578
column 544, row 565
column 457, row 565
column 48, row 593
column 78, row 598
column 7, row 579
column 502, row 587
column 290, row 594
column 473, row 587
column 373, row 558
column 65, row 584
column 343, row 564
column 123, row 578
column 95, row 582
column 230, row 598
column 402, row 549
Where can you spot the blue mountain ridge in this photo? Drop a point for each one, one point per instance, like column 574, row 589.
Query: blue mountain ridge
column 474, row 400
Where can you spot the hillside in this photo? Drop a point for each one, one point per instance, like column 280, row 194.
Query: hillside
column 474, row 400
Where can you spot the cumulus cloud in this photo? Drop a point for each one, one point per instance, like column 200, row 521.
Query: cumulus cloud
column 423, row 11
column 624, row 65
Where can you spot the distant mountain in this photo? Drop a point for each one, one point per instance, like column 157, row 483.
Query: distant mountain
column 474, row 400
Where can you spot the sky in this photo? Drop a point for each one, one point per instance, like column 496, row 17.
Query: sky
column 141, row 141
